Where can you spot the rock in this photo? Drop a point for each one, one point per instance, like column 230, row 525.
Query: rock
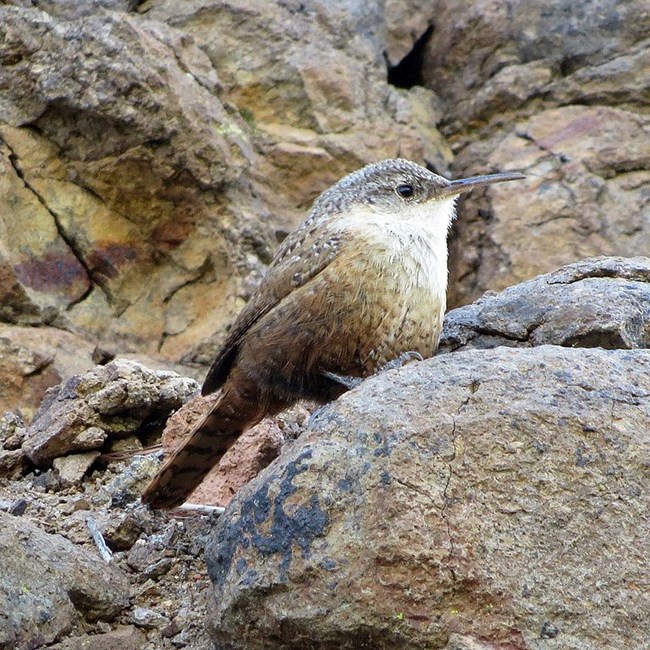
column 121, row 530
column 126, row 445
column 148, row 619
column 143, row 555
column 497, row 46
column 117, row 400
column 125, row 637
column 12, row 431
column 34, row 359
column 48, row 586
column 601, row 302
column 12, row 462
column 129, row 483
column 476, row 494
column 48, row 481
column 551, row 90
column 464, row 642
column 135, row 127
column 406, row 22
column 72, row 468
column 251, row 453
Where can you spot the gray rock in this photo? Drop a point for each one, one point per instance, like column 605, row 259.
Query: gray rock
column 72, row 468
column 122, row 529
column 48, row 586
column 12, row 462
column 494, row 494
column 129, row 484
column 12, row 430
column 116, row 399
column 148, row 618
column 125, row 637
column 599, row 302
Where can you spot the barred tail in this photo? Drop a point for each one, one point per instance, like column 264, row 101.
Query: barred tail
column 211, row 437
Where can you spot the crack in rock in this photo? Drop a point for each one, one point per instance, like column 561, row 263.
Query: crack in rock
column 69, row 241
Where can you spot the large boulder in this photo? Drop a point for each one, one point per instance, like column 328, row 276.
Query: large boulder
column 481, row 499
column 49, row 586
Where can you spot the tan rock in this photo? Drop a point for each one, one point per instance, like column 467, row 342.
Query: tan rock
column 73, row 467
column 12, row 462
column 36, row 258
column 33, row 359
column 406, row 22
column 124, row 637
column 557, row 92
column 113, row 400
column 583, row 196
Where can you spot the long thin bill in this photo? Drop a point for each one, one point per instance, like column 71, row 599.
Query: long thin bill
column 466, row 184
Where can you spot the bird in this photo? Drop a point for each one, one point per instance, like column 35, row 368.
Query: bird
column 358, row 287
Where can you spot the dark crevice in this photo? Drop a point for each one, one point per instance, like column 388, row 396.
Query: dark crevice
column 408, row 72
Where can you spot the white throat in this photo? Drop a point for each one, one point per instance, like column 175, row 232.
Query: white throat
column 413, row 242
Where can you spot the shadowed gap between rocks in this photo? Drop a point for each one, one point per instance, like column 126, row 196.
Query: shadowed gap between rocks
column 408, row 72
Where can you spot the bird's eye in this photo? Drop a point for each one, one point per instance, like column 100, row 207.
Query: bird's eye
column 405, row 190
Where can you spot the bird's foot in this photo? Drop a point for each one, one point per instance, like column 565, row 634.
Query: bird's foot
column 345, row 380
column 400, row 361
column 351, row 382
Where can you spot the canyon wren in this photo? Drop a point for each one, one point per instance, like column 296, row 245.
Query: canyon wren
column 359, row 285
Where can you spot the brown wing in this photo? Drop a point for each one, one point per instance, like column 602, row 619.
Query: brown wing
column 302, row 255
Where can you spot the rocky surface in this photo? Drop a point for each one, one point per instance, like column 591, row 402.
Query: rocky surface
column 600, row 302
column 83, row 563
column 34, row 359
column 559, row 92
column 152, row 155
column 160, row 150
column 109, row 402
column 40, row 606
column 409, row 514
column 481, row 493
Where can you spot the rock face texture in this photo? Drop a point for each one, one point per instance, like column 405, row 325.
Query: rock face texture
column 483, row 493
column 81, row 560
column 601, row 302
column 159, row 150
column 559, row 92
column 112, row 401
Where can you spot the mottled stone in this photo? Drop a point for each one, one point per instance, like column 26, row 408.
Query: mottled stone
column 72, row 468
column 34, row 359
column 557, row 91
column 476, row 494
column 117, row 399
column 48, row 586
column 599, row 302
column 124, row 637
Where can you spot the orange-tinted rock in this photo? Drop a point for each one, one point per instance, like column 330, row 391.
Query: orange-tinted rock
column 251, row 453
